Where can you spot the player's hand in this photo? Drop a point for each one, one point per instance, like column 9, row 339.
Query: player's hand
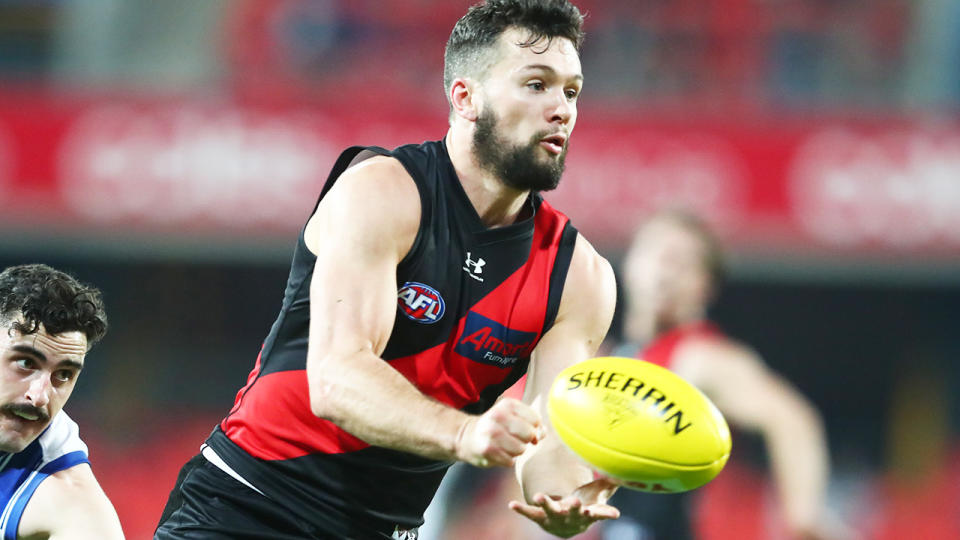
column 499, row 435
column 573, row 514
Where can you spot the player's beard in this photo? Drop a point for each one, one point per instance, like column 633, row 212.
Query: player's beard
column 517, row 166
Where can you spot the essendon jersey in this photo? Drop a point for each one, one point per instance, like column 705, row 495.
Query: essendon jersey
column 660, row 350
column 472, row 303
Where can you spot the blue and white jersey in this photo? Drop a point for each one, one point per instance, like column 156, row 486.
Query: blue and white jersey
column 59, row 447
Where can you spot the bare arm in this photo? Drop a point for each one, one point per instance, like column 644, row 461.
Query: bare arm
column 70, row 505
column 560, row 490
column 361, row 230
column 753, row 397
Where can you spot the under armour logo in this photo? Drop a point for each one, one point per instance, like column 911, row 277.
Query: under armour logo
column 405, row 534
column 474, row 267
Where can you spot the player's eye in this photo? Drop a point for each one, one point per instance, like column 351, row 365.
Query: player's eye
column 25, row 363
column 572, row 94
column 64, row 375
column 536, row 85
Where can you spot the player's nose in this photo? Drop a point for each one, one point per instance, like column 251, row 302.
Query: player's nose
column 561, row 109
column 38, row 393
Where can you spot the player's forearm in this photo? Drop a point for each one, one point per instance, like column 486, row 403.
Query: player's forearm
column 548, row 467
column 372, row 401
column 800, row 465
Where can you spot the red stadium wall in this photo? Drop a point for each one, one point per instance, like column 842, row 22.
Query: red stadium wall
column 179, row 168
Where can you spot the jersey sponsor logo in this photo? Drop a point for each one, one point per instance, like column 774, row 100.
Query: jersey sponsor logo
column 487, row 341
column 420, row 302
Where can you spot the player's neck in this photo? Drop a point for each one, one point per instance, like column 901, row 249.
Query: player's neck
column 496, row 204
column 643, row 327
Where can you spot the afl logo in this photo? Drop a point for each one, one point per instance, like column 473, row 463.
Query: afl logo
column 420, row 302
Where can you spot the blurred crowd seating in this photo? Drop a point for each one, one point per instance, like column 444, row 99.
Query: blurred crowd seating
column 700, row 55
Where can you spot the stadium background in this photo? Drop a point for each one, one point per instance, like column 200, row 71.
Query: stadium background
column 169, row 151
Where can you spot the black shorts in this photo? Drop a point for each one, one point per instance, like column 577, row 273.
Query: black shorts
column 208, row 504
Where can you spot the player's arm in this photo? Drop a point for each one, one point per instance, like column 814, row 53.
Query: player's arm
column 560, row 491
column 362, row 229
column 70, row 505
column 754, row 397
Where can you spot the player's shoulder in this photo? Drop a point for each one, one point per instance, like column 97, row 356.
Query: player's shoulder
column 61, row 441
column 378, row 188
column 70, row 501
column 400, row 164
column 590, row 286
column 380, row 172
column 404, row 171
column 375, row 198
column 588, row 264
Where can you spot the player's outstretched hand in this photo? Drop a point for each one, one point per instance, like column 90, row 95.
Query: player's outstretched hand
column 499, row 435
column 573, row 514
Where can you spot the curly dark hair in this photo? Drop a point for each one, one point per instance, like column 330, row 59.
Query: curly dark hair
column 44, row 295
column 478, row 30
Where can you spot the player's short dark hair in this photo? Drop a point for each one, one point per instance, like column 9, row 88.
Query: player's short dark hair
column 714, row 259
column 39, row 294
column 476, row 32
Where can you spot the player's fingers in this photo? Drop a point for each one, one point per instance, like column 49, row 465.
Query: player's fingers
column 521, row 420
column 534, row 513
column 601, row 511
column 569, row 503
column 570, row 507
column 521, row 429
column 509, row 444
column 495, row 443
column 549, row 504
column 494, row 459
column 526, row 412
column 502, row 418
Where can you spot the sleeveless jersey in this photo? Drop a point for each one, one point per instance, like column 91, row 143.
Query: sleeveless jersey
column 472, row 303
column 59, row 447
column 660, row 350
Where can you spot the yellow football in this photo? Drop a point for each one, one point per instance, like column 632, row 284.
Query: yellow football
column 639, row 423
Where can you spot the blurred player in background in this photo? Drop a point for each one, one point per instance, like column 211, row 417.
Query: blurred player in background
column 49, row 323
column 672, row 271
column 427, row 280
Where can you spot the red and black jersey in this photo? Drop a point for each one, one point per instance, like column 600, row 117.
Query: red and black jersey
column 472, row 303
column 660, row 350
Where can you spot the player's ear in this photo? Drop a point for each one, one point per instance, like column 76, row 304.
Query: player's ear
column 463, row 98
